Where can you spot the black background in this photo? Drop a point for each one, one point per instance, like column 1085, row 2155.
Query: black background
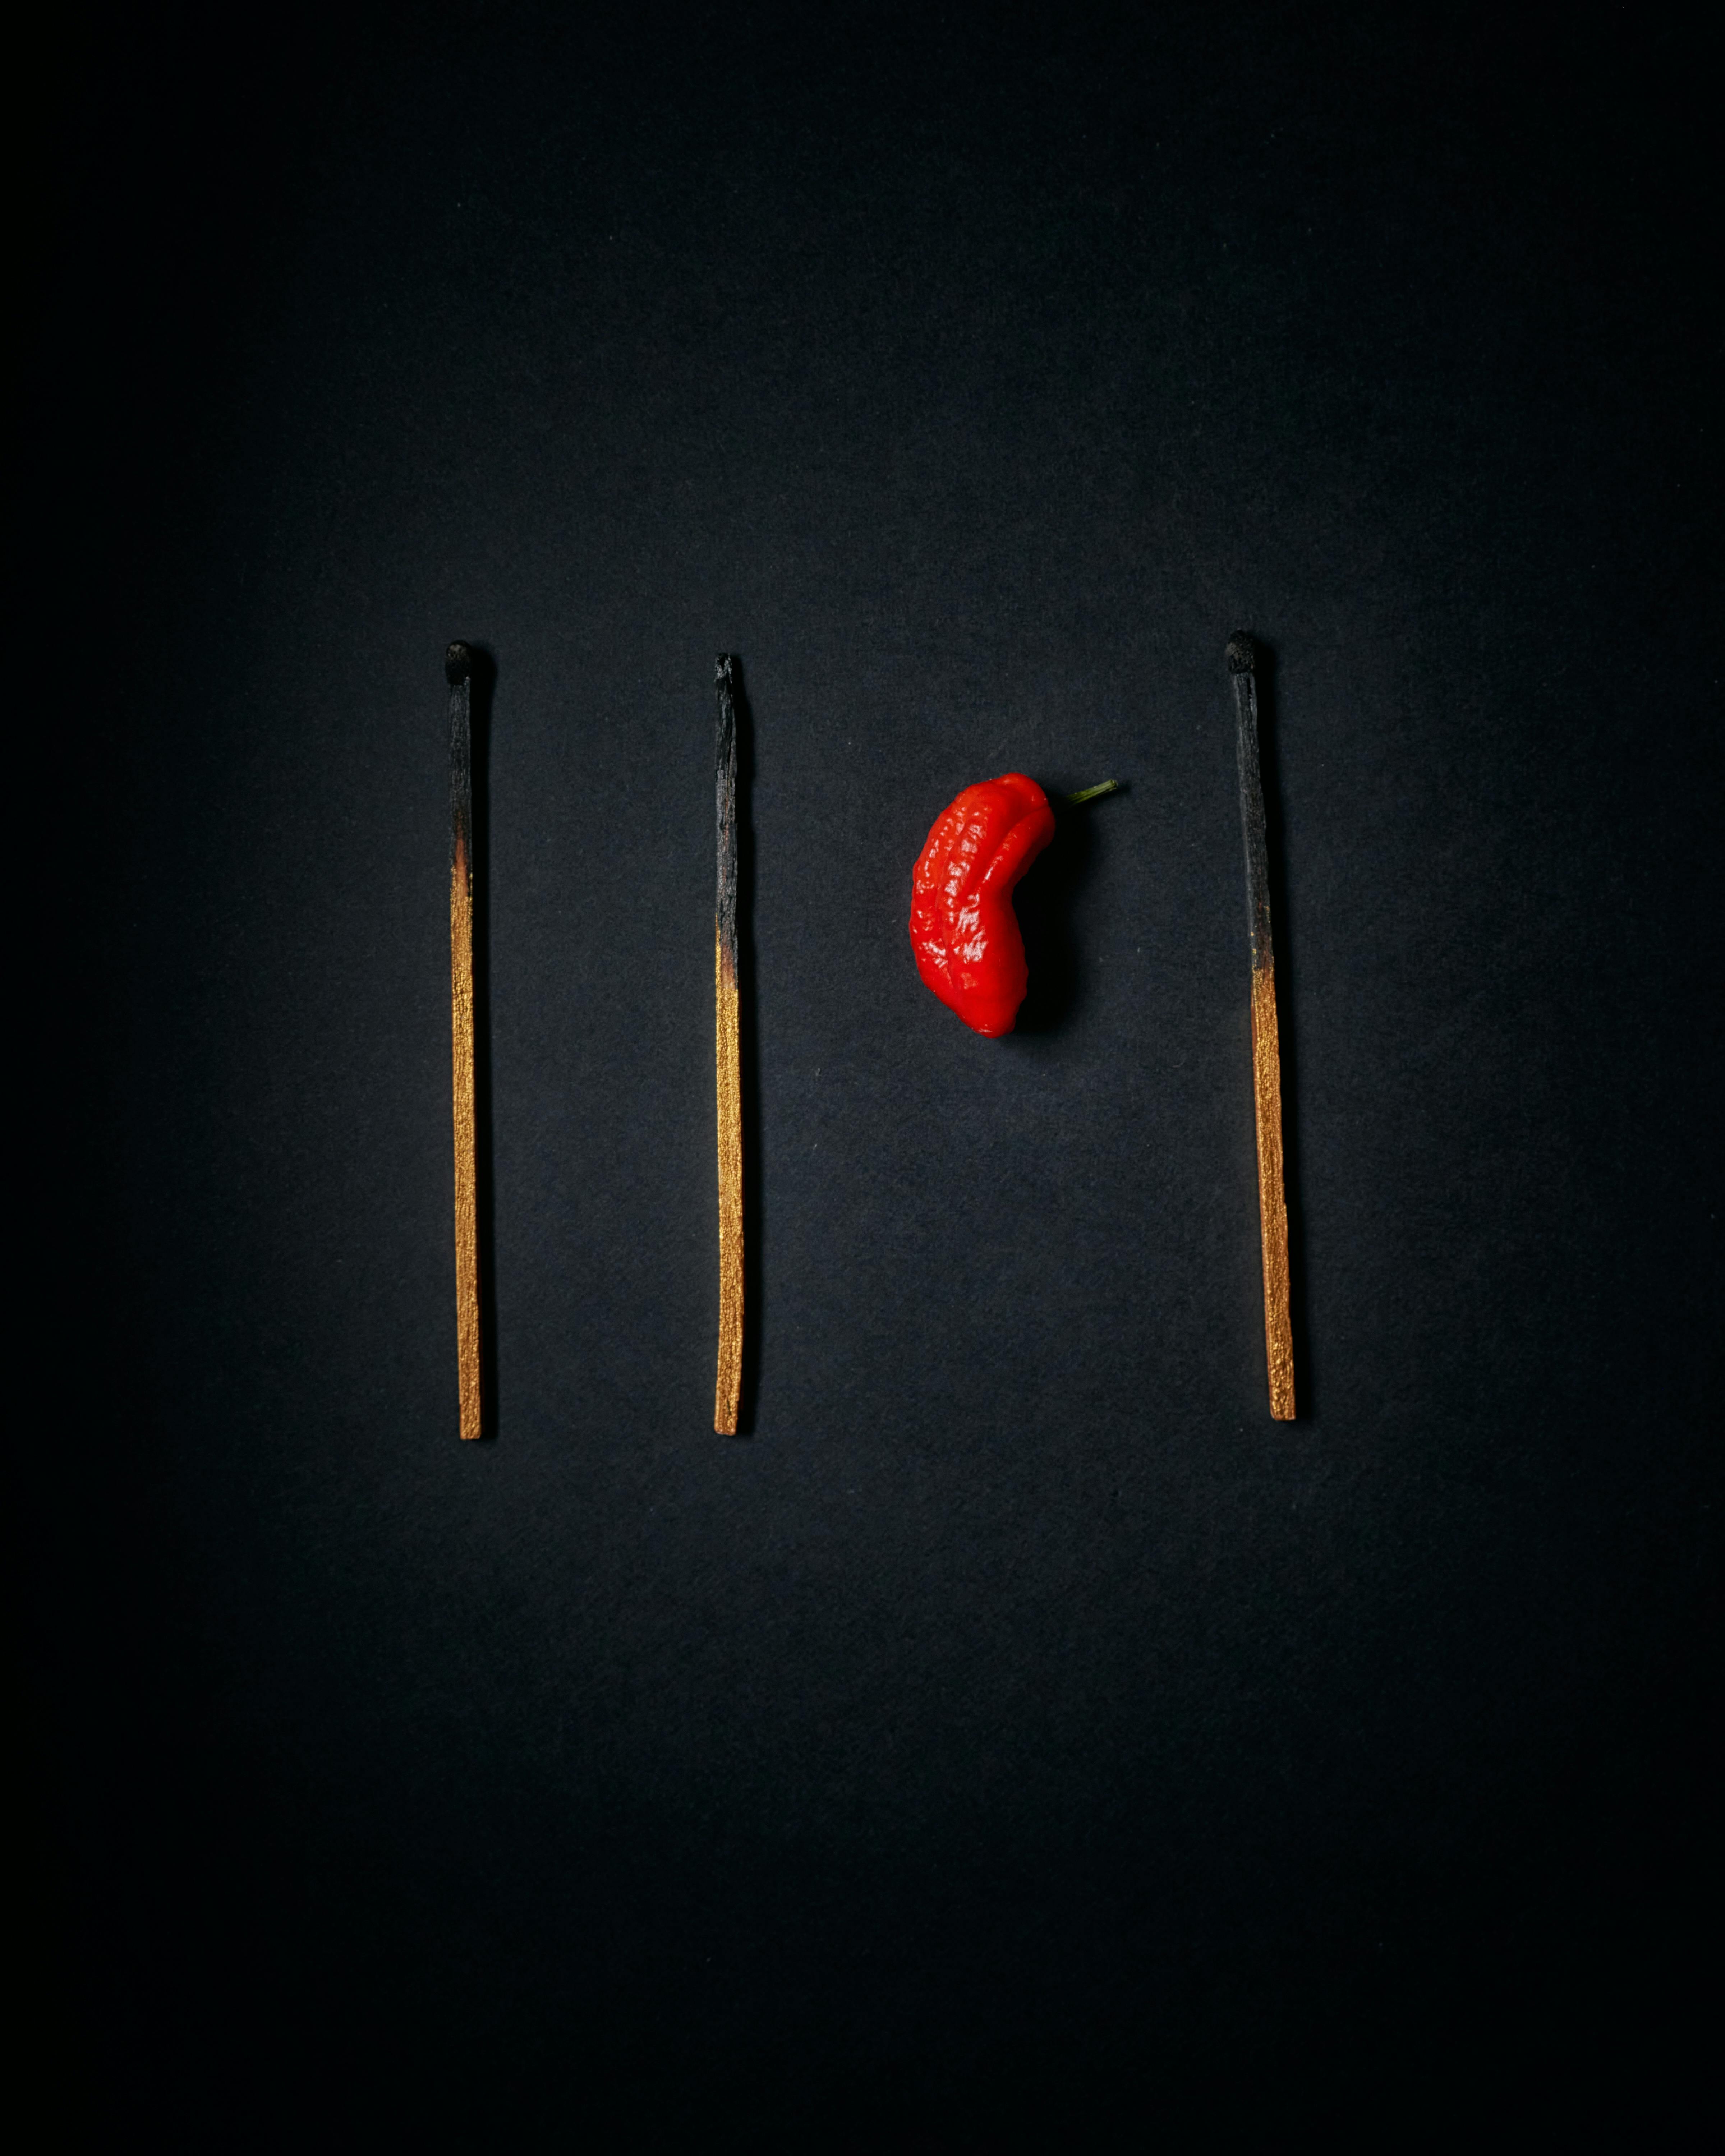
column 1017, row 1739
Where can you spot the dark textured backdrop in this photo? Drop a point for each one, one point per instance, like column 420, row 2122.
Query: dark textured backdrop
column 1018, row 1736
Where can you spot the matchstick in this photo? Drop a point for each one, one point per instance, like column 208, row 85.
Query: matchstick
column 457, row 670
column 1266, row 1054
column 728, row 1390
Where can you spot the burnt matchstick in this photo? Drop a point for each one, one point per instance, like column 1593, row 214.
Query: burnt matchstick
column 457, row 671
column 1266, row 1053
column 727, row 1388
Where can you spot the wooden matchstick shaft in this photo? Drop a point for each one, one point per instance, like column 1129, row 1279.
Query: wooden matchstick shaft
column 728, row 1390
column 1266, row 1054
column 458, row 668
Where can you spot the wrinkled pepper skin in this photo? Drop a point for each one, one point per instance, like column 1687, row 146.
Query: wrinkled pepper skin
column 968, row 946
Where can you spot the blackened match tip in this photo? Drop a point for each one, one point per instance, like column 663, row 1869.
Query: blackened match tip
column 1242, row 653
column 458, row 664
column 723, row 665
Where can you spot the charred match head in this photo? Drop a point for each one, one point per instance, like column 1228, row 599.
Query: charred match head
column 458, row 671
column 1242, row 671
column 725, row 747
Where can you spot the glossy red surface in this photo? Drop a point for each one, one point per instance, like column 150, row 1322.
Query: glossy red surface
column 968, row 946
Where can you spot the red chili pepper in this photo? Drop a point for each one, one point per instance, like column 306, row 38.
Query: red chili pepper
column 963, row 931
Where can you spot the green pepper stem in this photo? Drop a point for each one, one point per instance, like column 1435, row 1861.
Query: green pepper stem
column 1090, row 793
